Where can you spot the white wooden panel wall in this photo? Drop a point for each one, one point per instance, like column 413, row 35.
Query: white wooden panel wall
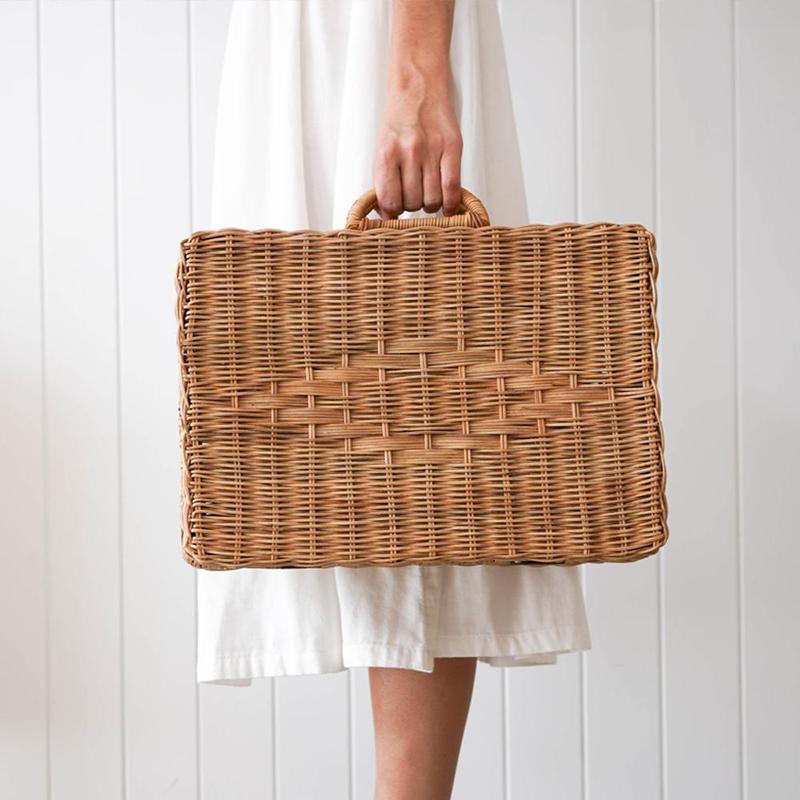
column 680, row 114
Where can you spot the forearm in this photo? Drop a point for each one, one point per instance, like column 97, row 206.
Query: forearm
column 419, row 54
column 418, row 154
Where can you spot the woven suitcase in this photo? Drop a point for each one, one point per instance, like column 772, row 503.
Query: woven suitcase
column 419, row 391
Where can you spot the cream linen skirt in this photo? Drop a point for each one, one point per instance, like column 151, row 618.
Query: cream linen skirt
column 301, row 91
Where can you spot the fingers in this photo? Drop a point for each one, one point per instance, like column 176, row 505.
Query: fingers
column 431, row 186
column 388, row 184
column 411, row 174
column 451, row 175
column 411, row 171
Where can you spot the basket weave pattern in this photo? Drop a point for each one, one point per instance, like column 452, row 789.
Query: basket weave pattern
column 395, row 394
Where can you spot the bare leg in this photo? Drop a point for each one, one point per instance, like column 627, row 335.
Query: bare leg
column 419, row 722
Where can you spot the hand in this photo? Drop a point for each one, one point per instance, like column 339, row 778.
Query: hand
column 418, row 155
column 418, row 149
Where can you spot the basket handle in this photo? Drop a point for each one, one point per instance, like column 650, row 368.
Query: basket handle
column 473, row 214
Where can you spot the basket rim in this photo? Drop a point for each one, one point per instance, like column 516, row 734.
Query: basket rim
column 456, row 230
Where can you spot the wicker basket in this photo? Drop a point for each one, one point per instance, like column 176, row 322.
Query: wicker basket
column 420, row 391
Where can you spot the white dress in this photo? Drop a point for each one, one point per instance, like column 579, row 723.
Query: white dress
column 301, row 91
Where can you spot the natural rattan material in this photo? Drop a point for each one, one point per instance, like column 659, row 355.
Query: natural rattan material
column 420, row 391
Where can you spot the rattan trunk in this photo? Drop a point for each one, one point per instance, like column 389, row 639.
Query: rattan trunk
column 437, row 390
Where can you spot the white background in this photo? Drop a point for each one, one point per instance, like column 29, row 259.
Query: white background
column 683, row 115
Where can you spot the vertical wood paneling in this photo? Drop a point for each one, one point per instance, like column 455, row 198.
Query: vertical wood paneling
column 153, row 214
column 235, row 723
column 208, row 20
column 312, row 745
column 544, row 747
column 82, row 401
column 540, row 53
column 481, row 764
column 236, row 742
column 363, row 738
column 697, row 369
column 768, row 299
column 23, row 593
column 616, row 182
column 545, row 742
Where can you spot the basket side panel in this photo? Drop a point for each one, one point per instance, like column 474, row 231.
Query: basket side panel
column 421, row 396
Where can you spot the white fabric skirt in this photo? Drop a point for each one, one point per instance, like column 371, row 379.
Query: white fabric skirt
column 301, row 92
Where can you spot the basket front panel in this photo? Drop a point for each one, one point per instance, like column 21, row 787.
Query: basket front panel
column 420, row 396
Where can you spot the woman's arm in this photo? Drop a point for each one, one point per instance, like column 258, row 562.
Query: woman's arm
column 418, row 154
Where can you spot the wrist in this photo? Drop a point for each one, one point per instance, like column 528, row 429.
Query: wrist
column 419, row 75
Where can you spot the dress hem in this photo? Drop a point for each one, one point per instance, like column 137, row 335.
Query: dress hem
column 531, row 648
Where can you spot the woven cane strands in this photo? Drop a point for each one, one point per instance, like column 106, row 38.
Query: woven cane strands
column 419, row 392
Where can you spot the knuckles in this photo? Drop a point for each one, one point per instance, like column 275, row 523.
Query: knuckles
column 417, row 147
column 389, row 205
column 413, row 146
column 450, row 184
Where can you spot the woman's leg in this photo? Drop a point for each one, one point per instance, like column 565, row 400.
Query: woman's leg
column 419, row 724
